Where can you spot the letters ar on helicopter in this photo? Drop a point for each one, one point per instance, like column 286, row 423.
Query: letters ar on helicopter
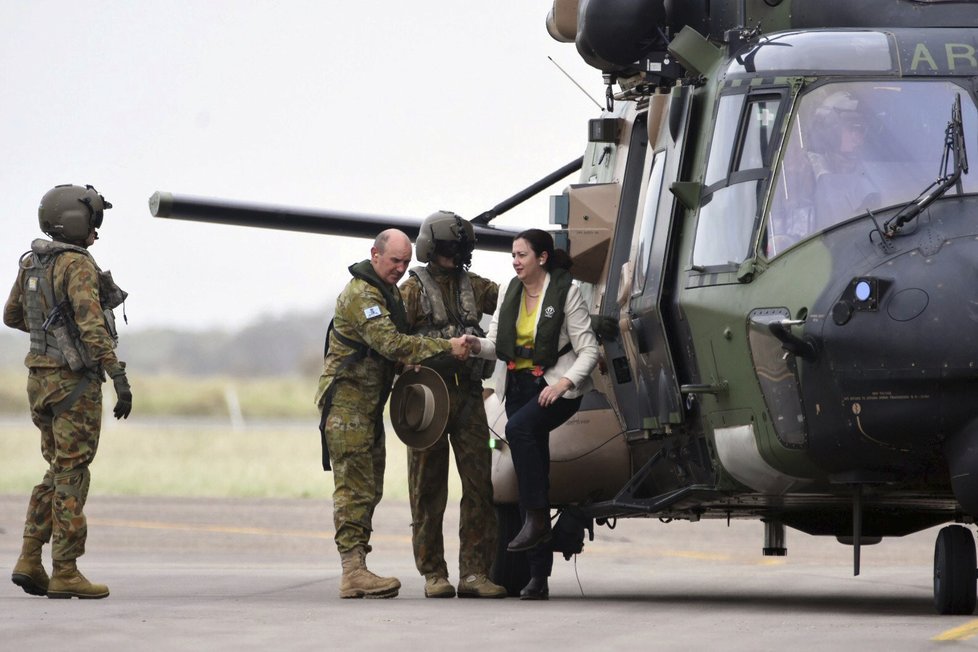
column 935, row 57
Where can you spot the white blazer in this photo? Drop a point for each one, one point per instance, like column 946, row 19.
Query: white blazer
column 575, row 365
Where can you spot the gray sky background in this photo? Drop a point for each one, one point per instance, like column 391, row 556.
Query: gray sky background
column 399, row 108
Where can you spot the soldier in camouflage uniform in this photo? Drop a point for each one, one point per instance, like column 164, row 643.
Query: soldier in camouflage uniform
column 65, row 302
column 443, row 299
column 365, row 340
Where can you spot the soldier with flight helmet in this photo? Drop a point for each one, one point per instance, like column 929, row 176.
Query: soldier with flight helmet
column 65, row 301
column 444, row 299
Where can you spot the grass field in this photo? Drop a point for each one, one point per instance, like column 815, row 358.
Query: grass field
column 182, row 441
column 134, row 460
column 258, row 398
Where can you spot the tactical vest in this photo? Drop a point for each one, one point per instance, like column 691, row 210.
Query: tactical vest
column 544, row 352
column 433, row 305
column 50, row 316
column 440, row 324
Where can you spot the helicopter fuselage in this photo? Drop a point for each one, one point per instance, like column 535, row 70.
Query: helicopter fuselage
column 780, row 348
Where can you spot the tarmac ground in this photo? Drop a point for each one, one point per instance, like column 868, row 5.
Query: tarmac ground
column 240, row 574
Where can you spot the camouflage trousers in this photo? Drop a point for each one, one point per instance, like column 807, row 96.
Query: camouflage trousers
column 69, row 440
column 468, row 434
column 358, row 457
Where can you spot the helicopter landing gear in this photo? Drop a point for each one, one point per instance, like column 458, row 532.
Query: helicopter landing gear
column 510, row 570
column 954, row 571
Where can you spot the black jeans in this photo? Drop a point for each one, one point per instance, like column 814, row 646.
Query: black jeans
column 528, row 429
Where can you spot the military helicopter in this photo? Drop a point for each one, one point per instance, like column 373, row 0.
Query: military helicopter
column 775, row 210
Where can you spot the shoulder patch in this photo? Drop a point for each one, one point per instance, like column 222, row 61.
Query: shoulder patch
column 371, row 312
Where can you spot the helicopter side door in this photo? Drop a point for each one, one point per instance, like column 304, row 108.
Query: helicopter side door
column 642, row 246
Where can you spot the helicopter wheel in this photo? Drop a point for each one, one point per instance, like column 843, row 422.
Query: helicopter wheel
column 510, row 570
column 954, row 571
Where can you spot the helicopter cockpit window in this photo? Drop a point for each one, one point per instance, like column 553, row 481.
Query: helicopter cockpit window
column 843, row 50
column 740, row 156
column 728, row 115
column 646, row 228
column 756, row 145
column 861, row 145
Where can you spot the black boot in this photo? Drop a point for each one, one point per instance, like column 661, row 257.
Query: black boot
column 536, row 530
column 536, row 589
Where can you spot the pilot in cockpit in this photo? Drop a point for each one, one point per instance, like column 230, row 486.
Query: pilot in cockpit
column 842, row 187
column 823, row 178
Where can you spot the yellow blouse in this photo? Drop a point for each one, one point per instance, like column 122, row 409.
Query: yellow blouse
column 526, row 327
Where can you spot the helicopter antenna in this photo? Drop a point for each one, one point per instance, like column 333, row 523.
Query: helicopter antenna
column 574, row 81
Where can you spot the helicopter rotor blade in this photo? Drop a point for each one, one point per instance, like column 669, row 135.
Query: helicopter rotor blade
column 527, row 192
column 219, row 211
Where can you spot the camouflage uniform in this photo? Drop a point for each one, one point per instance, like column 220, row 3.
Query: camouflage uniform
column 468, row 432
column 358, row 391
column 69, row 436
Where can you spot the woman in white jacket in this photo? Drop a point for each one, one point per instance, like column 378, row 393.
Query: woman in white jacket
column 542, row 331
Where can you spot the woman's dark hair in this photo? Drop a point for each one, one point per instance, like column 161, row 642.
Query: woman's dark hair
column 542, row 242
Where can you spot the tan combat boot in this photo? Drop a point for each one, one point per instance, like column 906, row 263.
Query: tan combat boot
column 29, row 573
column 438, row 586
column 479, row 586
column 68, row 582
column 358, row 582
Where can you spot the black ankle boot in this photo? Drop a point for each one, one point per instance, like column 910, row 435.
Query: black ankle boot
column 536, row 530
column 536, row 589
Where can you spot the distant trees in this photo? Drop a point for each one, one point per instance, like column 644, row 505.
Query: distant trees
column 290, row 344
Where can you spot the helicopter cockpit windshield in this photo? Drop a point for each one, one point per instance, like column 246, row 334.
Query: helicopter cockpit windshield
column 858, row 145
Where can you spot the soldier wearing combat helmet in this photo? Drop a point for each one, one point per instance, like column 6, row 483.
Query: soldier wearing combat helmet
column 444, row 299
column 365, row 339
column 65, row 302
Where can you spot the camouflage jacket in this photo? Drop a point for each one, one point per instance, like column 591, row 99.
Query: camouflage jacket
column 362, row 316
column 75, row 277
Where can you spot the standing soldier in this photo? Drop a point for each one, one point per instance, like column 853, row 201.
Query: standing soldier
column 365, row 339
column 443, row 299
column 65, row 302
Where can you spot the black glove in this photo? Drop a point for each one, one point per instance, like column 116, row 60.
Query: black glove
column 123, row 393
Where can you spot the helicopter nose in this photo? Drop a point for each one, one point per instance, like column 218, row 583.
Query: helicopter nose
column 896, row 366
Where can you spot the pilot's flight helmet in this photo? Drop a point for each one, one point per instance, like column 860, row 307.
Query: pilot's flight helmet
column 844, row 108
column 69, row 213
column 446, row 234
column 839, row 110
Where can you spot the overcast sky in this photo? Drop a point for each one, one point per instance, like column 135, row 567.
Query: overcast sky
column 373, row 106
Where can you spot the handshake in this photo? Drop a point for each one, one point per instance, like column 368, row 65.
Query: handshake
column 465, row 345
